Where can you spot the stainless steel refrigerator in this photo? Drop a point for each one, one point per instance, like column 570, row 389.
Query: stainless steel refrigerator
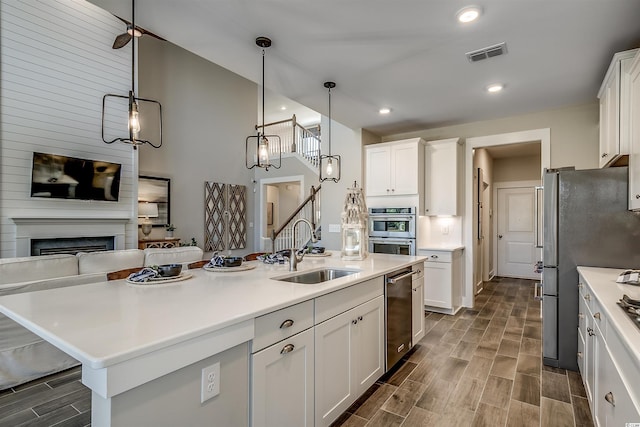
column 586, row 222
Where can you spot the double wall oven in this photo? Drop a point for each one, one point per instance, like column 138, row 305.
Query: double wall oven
column 392, row 230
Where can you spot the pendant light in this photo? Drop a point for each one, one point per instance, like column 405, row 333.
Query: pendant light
column 266, row 146
column 330, row 169
column 133, row 102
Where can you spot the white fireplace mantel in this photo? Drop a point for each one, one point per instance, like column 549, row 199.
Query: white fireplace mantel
column 28, row 228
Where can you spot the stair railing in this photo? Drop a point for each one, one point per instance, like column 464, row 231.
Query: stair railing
column 294, row 138
column 282, row 238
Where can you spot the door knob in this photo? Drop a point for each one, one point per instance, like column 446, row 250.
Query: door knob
column 499, row 236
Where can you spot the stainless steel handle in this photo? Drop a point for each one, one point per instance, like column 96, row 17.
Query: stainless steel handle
column 286, row 324
column 537, row 292
column 590, row 332
column 287, row 349
column 609, row 398
column 396, row 279
column 597, row 316
column 536, row 207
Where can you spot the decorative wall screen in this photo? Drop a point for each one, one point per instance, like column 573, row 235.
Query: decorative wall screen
column 225, row 216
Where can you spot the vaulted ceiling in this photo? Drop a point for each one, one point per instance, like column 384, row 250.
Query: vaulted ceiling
column 408, row 55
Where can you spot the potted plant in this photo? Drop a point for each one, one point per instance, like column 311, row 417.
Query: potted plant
column 169, row 228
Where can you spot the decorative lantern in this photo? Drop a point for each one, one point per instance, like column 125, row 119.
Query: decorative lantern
column 355, row 238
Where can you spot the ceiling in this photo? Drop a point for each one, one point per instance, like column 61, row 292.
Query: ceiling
column 408, row 55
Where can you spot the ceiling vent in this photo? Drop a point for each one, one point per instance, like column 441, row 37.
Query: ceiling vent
column 487, row 52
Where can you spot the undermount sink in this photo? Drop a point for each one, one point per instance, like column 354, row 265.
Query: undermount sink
column 316, row 276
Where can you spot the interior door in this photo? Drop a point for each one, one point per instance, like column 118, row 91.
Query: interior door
column 516, row 220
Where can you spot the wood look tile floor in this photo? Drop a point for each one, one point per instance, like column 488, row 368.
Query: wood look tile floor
column 481, row 367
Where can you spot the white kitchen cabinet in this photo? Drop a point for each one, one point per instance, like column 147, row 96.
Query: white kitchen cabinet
column 349, row 358
column 442, row 193
column 417, row 304
column 443, row 276
column 614, row 96
column 282, row 368
column 394, row 168
column 282, row 392
column 605, row 363
column 634, row 134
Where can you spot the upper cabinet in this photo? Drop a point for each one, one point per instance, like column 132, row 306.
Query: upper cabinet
column 394, row 168
column 442, row 177
column 634, row 132
column 614, row 109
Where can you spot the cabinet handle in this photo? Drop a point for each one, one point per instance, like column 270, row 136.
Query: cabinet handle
column 360, row 318
column 580, row 355
column 434, row 256
column 587, row 297
column 426, row 210
column 604, row 155
column 637, row 196
column 597, row 316
column 609, row 398
column 580, row 315
column 393, row 189
column 286, row 324
column 387, row 190
column 590, row 332
column 580, row 285
column 287, row 349
column 354, row 321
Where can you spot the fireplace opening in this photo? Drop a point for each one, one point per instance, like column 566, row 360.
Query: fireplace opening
column 71, row 245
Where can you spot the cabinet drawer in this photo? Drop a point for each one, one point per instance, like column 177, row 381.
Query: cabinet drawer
column 436, row 256
column 340, row 301
column 281, row 324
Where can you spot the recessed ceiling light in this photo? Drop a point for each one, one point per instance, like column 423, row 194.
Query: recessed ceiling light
column 494, row 88
column 384, row 110
column 284, row 107
column 469, row 14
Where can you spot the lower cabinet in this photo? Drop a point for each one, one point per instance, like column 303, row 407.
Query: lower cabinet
column 349, row 358
column 283, row 383
column 602, row 365
column 417, row 306
column 443, row 280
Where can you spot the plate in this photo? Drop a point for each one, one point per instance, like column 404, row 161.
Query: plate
column 242, row 267
column 323, row 254
column 161, row 280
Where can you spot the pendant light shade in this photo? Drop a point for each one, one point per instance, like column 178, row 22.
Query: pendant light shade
column 134, row 102
column 330, row 166
column 261, row 150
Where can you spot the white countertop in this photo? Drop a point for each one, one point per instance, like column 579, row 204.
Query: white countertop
column 447, row 248
column 602, row 281
column 106, row 323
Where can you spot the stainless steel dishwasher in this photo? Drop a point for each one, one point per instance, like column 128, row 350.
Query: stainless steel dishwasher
column 398, row 292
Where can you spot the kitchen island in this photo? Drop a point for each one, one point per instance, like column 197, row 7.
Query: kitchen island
column 143, row 348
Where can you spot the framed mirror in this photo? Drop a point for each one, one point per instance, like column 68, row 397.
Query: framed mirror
column 156, row 190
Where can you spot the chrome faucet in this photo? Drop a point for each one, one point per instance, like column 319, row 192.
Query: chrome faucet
column 293, row 257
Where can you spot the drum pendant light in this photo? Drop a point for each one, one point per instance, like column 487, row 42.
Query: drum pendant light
column 133, row 101
column 266, row 149
column 330, row 168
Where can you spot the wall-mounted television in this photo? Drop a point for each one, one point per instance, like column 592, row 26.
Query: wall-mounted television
column 61, row 177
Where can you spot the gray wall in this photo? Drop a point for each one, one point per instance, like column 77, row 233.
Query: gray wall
column 208, row 113
column 523, row 168
column 574, row 133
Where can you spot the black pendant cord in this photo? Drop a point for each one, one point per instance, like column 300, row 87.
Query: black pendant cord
column 329, row 121
column 133, row 47
column 264, row 131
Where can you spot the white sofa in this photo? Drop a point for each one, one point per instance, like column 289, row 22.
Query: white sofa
column 23, row 355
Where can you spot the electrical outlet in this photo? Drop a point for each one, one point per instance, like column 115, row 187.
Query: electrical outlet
column 210, row 382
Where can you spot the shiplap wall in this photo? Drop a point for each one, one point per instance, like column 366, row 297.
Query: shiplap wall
column 56, row 63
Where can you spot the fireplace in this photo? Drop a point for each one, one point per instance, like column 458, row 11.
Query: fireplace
column 68, row 235
column 71, row 245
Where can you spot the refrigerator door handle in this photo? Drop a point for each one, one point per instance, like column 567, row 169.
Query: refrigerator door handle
column 538, row 217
